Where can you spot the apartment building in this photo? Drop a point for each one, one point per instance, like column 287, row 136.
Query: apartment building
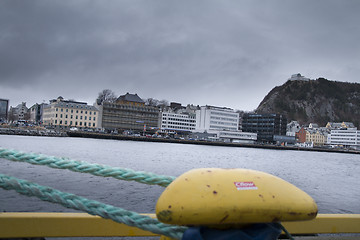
column 210, row 118
column 344, row 137
column 64, row 114
column 128, row 112
column 265, row 125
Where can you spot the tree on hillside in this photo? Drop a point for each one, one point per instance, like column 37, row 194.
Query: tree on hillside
column 106, row 95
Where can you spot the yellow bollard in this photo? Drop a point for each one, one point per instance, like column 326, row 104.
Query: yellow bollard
column 232, row 197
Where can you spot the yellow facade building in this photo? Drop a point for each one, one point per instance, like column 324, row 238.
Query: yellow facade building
column 65, row 114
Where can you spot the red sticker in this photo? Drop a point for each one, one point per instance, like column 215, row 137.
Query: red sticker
column 245, row 185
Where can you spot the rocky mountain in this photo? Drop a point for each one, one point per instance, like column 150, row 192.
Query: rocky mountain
column 317, row 101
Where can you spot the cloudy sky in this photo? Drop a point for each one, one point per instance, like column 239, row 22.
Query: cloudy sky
column 221, row 53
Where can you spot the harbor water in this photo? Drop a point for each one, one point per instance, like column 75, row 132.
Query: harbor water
column 332, row 179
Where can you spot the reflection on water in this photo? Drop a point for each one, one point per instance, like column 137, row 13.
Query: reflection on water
column 332, row 179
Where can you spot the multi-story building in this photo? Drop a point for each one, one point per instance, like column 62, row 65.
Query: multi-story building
column 4, row 106
column 224, row 122
column 210, row 118
column 265, row 125
column 36, row 113
column 128, row 112
column 344, row 137
column 317, row 137
column 180, row 122
column 64, row 114
column 338, row 125
column 292, row 128
column 19, row 113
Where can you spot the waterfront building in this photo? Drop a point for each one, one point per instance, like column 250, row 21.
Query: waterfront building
column 19, row 113
column 317, row 137
column 177, row 122
column 344, row 137
column 300, row 136
column 210, row 118
column 128, row 112
column 265, row 125
column 64, row 114
column 4, row 106
column 36, row 113
column 338, row 125
column 223, row 122
column 292, row 128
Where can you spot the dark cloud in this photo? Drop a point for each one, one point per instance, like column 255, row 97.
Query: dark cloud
column 223, row 53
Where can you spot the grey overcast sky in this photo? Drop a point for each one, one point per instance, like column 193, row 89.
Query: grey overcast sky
column 221, row 53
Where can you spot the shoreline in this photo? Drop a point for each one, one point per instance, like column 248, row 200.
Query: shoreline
column 208, row 143
column 164, row 140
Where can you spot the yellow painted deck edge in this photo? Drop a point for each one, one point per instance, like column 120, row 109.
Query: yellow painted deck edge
column 16, row 225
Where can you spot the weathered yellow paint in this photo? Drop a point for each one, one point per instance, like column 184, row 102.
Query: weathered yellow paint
column 326, row 223
column 18, row 225
column 63, row 225
column 213, row 196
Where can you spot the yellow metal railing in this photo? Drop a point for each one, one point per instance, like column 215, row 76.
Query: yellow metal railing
column 17, row 225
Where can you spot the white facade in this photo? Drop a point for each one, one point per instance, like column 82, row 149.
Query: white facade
column 177, row 122
column 237, row 136
column 209, row 118
column 347, row 137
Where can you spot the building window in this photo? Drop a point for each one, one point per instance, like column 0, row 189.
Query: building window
column 94, row 118
column 71, row 116
column 76, row 117
column 80, row 123
column 61, row 109
column 66, row 116
column 89, row 118
column 75, row 123
column 65, row 122
column 94, row 113
column 61, row 115
column 56, row 109
column 85, row 124
column 81, row 111
column 60, row 122
column 72, row 111
column 55, row 121
column 67, row 110
column 85, row 112
column 93, row 124
column 85, row 117
column 80, row 117
column 56, row 115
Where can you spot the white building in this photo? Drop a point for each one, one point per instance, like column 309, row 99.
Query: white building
column 292, row 128
column 298, row 77
column 170, row 121
column 224, row 122
column 209, row 118
column 346, row 137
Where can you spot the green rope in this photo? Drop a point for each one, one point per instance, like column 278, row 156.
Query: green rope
column 84, row 167
column 90, row 206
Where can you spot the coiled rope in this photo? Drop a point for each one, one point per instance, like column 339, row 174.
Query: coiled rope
column 84, row 167
column 90, row 206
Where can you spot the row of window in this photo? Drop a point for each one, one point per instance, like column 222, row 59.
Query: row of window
column 224, row 114
column 75, row 123
column 72, row 111
column 223, row 123
column 178, row 115
column 175, row 127
column 76, row 117
column 176, row 119
column 224, row 119
column 178, row 123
